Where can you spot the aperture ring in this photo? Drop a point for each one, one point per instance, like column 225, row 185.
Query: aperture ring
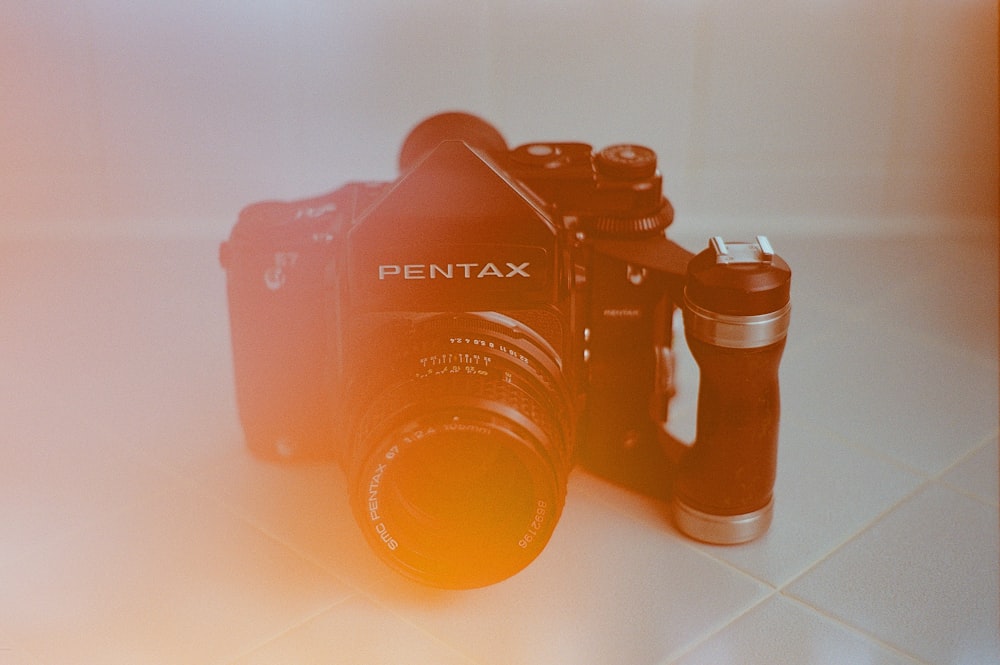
column 736, row 332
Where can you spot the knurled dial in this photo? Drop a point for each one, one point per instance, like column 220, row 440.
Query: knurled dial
column 628, row 162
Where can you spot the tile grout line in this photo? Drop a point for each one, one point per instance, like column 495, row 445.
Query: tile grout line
column 886, row 458
column 983, row 444
column 900, row 465
column 220, row 502
column 318, row 613
column 853, row 629
column 870, row 310
column 934, row 342
column 683, row 540
column 693, row 645
column 205, row 493
column 185, row 484
column 691, row 648
column 355, row 591
column 924, row 481
column 782, row 589
column 372, row 598
column 865, row 528
column 785, row 592
column 773, row 590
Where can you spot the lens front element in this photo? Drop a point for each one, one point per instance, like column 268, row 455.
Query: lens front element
column 461, row 462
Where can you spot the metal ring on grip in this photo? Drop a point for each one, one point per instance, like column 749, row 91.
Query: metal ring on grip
column 736, row 332
column 723, row 529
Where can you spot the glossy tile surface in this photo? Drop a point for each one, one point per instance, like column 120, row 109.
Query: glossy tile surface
column 781, row 631
column 134, row 527
column 923, row 578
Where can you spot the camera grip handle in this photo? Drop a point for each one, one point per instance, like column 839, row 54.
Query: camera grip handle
column 736, row 315
column 724, row 484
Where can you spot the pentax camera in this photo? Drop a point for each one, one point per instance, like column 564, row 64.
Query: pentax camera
column 457, row 339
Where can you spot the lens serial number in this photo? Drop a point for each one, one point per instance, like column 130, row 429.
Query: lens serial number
column 537, row 522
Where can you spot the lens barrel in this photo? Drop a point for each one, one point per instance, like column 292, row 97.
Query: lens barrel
column 462, row 450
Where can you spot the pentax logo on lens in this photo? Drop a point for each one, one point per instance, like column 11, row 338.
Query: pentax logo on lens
column 454, row 270
column 444, row 276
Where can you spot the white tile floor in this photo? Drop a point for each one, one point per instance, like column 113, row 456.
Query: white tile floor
column 135, row 529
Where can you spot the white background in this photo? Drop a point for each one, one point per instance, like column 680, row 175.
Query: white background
column 802, row 116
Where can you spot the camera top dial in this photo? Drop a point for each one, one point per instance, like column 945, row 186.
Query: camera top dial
column 631, row 167
column 626, row 162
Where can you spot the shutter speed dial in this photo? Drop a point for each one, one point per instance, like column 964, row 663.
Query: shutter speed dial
column 631, row 167
column 626, row 162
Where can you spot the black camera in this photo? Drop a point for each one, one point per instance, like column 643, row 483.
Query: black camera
column 457, row 339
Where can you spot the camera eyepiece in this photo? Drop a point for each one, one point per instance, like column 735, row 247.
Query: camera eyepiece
column 451, row 126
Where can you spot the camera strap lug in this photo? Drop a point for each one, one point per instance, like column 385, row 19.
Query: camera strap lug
column 664, row 388
column 636, row 275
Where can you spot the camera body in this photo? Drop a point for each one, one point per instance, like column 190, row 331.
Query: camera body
column 458, row 338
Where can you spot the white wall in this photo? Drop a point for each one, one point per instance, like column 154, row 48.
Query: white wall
column 798, row 114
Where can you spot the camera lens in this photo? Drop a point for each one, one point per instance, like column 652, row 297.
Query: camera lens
column 461, row 451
